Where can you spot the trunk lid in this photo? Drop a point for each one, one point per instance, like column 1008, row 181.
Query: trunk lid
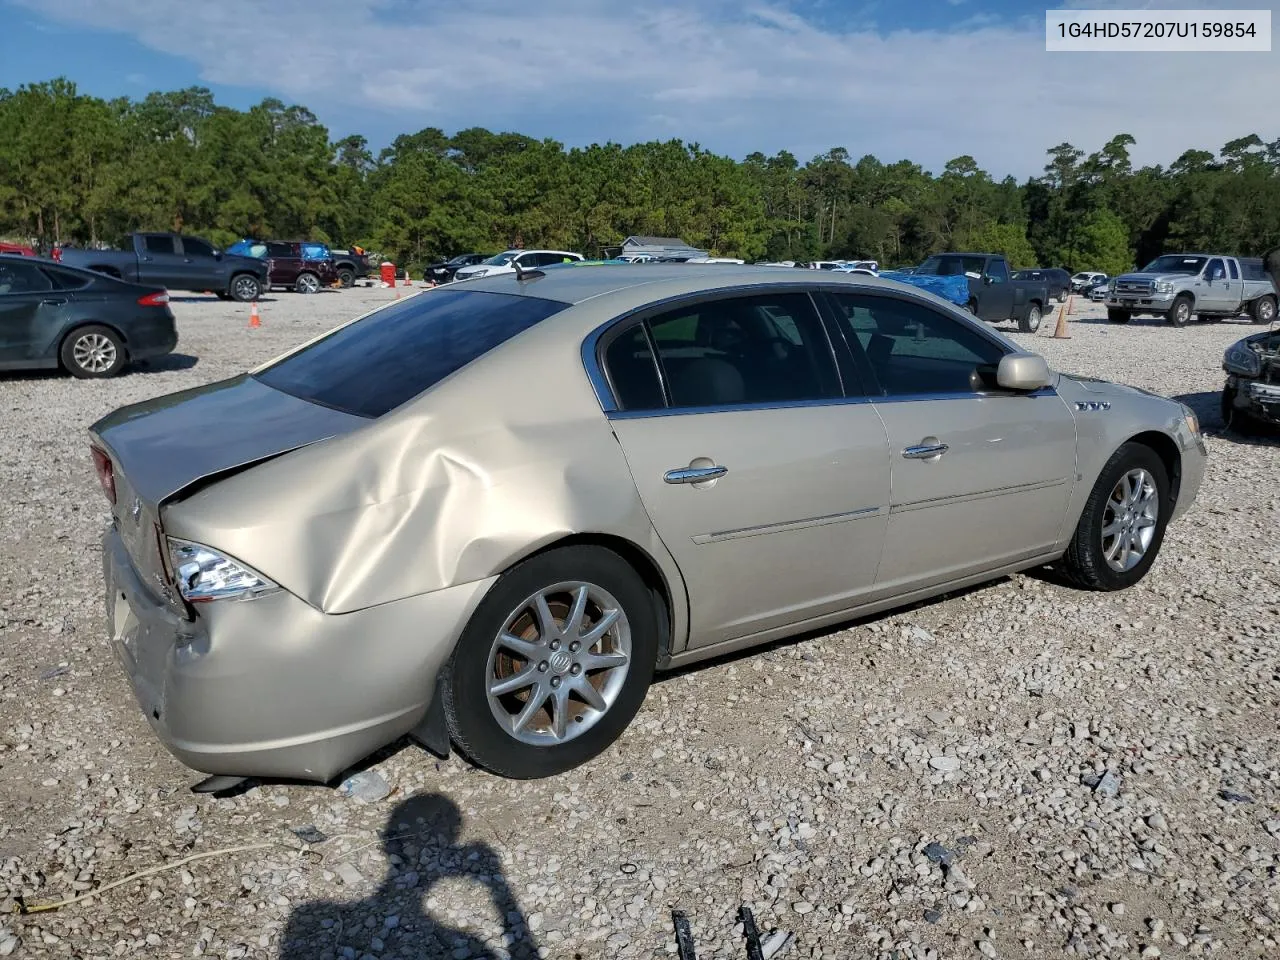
column 163, row 446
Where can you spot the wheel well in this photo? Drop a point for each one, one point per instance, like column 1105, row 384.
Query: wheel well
column 643, row 564
column 1166, row 448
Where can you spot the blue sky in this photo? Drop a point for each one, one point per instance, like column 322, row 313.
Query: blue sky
column 922, row 79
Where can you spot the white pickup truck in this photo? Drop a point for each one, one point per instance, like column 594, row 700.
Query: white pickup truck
column 1178, row 286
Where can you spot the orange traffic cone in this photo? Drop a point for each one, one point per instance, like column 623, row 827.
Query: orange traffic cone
column 408, row 280
column 1060, row 333
column 254, row 319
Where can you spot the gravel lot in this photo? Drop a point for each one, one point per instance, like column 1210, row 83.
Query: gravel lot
column 1020, row 770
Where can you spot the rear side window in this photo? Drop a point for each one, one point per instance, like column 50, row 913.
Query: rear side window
column 280, row 250
column 373, row 365
column 633, row 374
column 767, row 348
column 65, row 279
column 158, row 243
column 1235, row 271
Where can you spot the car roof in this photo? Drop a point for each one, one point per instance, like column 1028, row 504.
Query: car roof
column 575, row 285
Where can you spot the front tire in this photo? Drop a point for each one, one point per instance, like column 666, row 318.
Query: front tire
column 1263, row 310
column 1029, row 322
column 307, row 283
column 553, row 665
column 1180, row 313
column 245, row 288
column 1123, row 522
column 93, row 353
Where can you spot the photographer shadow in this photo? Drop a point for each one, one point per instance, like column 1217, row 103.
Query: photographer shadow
column 422, row 836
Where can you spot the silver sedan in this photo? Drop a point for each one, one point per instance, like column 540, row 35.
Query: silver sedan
column 485, row 515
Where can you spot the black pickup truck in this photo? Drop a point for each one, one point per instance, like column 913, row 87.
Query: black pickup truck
column 175, row 262
column 352, row 264
column 993, row 293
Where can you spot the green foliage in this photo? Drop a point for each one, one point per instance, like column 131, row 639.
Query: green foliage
column 81, row 169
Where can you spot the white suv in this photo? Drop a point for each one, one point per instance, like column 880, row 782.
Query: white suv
column 506, row 261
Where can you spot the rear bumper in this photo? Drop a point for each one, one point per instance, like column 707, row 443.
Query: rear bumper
column 152, row 338
column 272, row 687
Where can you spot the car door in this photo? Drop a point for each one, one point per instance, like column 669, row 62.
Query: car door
column 201, row 269
column 30, row 306
column 996, row 300
column 1212, row 289
column 980, row 476
column 284, row 264
column 768, row 486
column 160, row 261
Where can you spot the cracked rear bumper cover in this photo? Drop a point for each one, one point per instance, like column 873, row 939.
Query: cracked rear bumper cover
column 272, row 687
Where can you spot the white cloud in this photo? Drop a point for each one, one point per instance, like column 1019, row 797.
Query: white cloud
column 733, row 78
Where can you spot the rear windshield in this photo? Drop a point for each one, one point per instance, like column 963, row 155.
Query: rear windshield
column 375, row 364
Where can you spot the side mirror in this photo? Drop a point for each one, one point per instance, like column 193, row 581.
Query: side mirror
column 988, row 280
column 1022, row 371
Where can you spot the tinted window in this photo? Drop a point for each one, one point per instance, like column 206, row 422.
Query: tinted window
column 375, row 364
column 632, row 373
column 758, row 349
column 951, row 266
column 1216, row 270
column 280, row 250
column 998, row 271
column 195, row 247
column 65, row 279
column 1235, row 271
column 16, row 278
column 913, row 349
column 158, row 243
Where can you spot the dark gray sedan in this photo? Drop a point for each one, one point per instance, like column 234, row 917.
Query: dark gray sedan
column 89, row 324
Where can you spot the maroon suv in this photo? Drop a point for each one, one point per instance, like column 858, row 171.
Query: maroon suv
column 301, row 266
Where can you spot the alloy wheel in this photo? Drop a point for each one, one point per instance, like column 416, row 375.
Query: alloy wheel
column 1129, row 520
column 559, row 663
column 94, row 352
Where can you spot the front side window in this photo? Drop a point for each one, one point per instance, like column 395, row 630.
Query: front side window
column 158, row 243
column 1216, row 270
column 375, row 364
column 195, row 247
column 766, row 348
column 912, row 349
column 998, row 271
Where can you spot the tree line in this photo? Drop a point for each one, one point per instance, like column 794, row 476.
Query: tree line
column 80, row 169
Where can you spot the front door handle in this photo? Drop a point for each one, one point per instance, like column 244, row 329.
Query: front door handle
column 53, row 302
column 694, row 474
column 925, row 451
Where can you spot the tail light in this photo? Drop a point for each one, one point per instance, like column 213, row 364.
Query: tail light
column 106, row 473
column 154, row 299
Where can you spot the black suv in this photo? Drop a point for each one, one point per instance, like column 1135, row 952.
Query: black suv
column 443, row 271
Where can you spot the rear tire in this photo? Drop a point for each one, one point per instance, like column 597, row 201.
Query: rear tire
column 486, row 729
column 1263, row 310
column 307, row 283
column 972, row 307
column 1118, row 316
column 245, row 288
column 346, row 277
column 1089, row 561
column 93, row 352
column 1029, row 322
column 1180, row 313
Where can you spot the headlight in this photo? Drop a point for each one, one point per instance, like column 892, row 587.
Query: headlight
column 203, row 574
column 1240, row 359
column 1164, row 286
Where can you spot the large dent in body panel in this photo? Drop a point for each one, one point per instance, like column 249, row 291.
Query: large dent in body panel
column 450, row 489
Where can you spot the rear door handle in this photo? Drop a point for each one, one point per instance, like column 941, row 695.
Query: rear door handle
column 925, row 451
column 694, row 474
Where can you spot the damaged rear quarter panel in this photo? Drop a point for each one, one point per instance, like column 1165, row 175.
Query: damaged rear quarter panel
column 509, row 454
